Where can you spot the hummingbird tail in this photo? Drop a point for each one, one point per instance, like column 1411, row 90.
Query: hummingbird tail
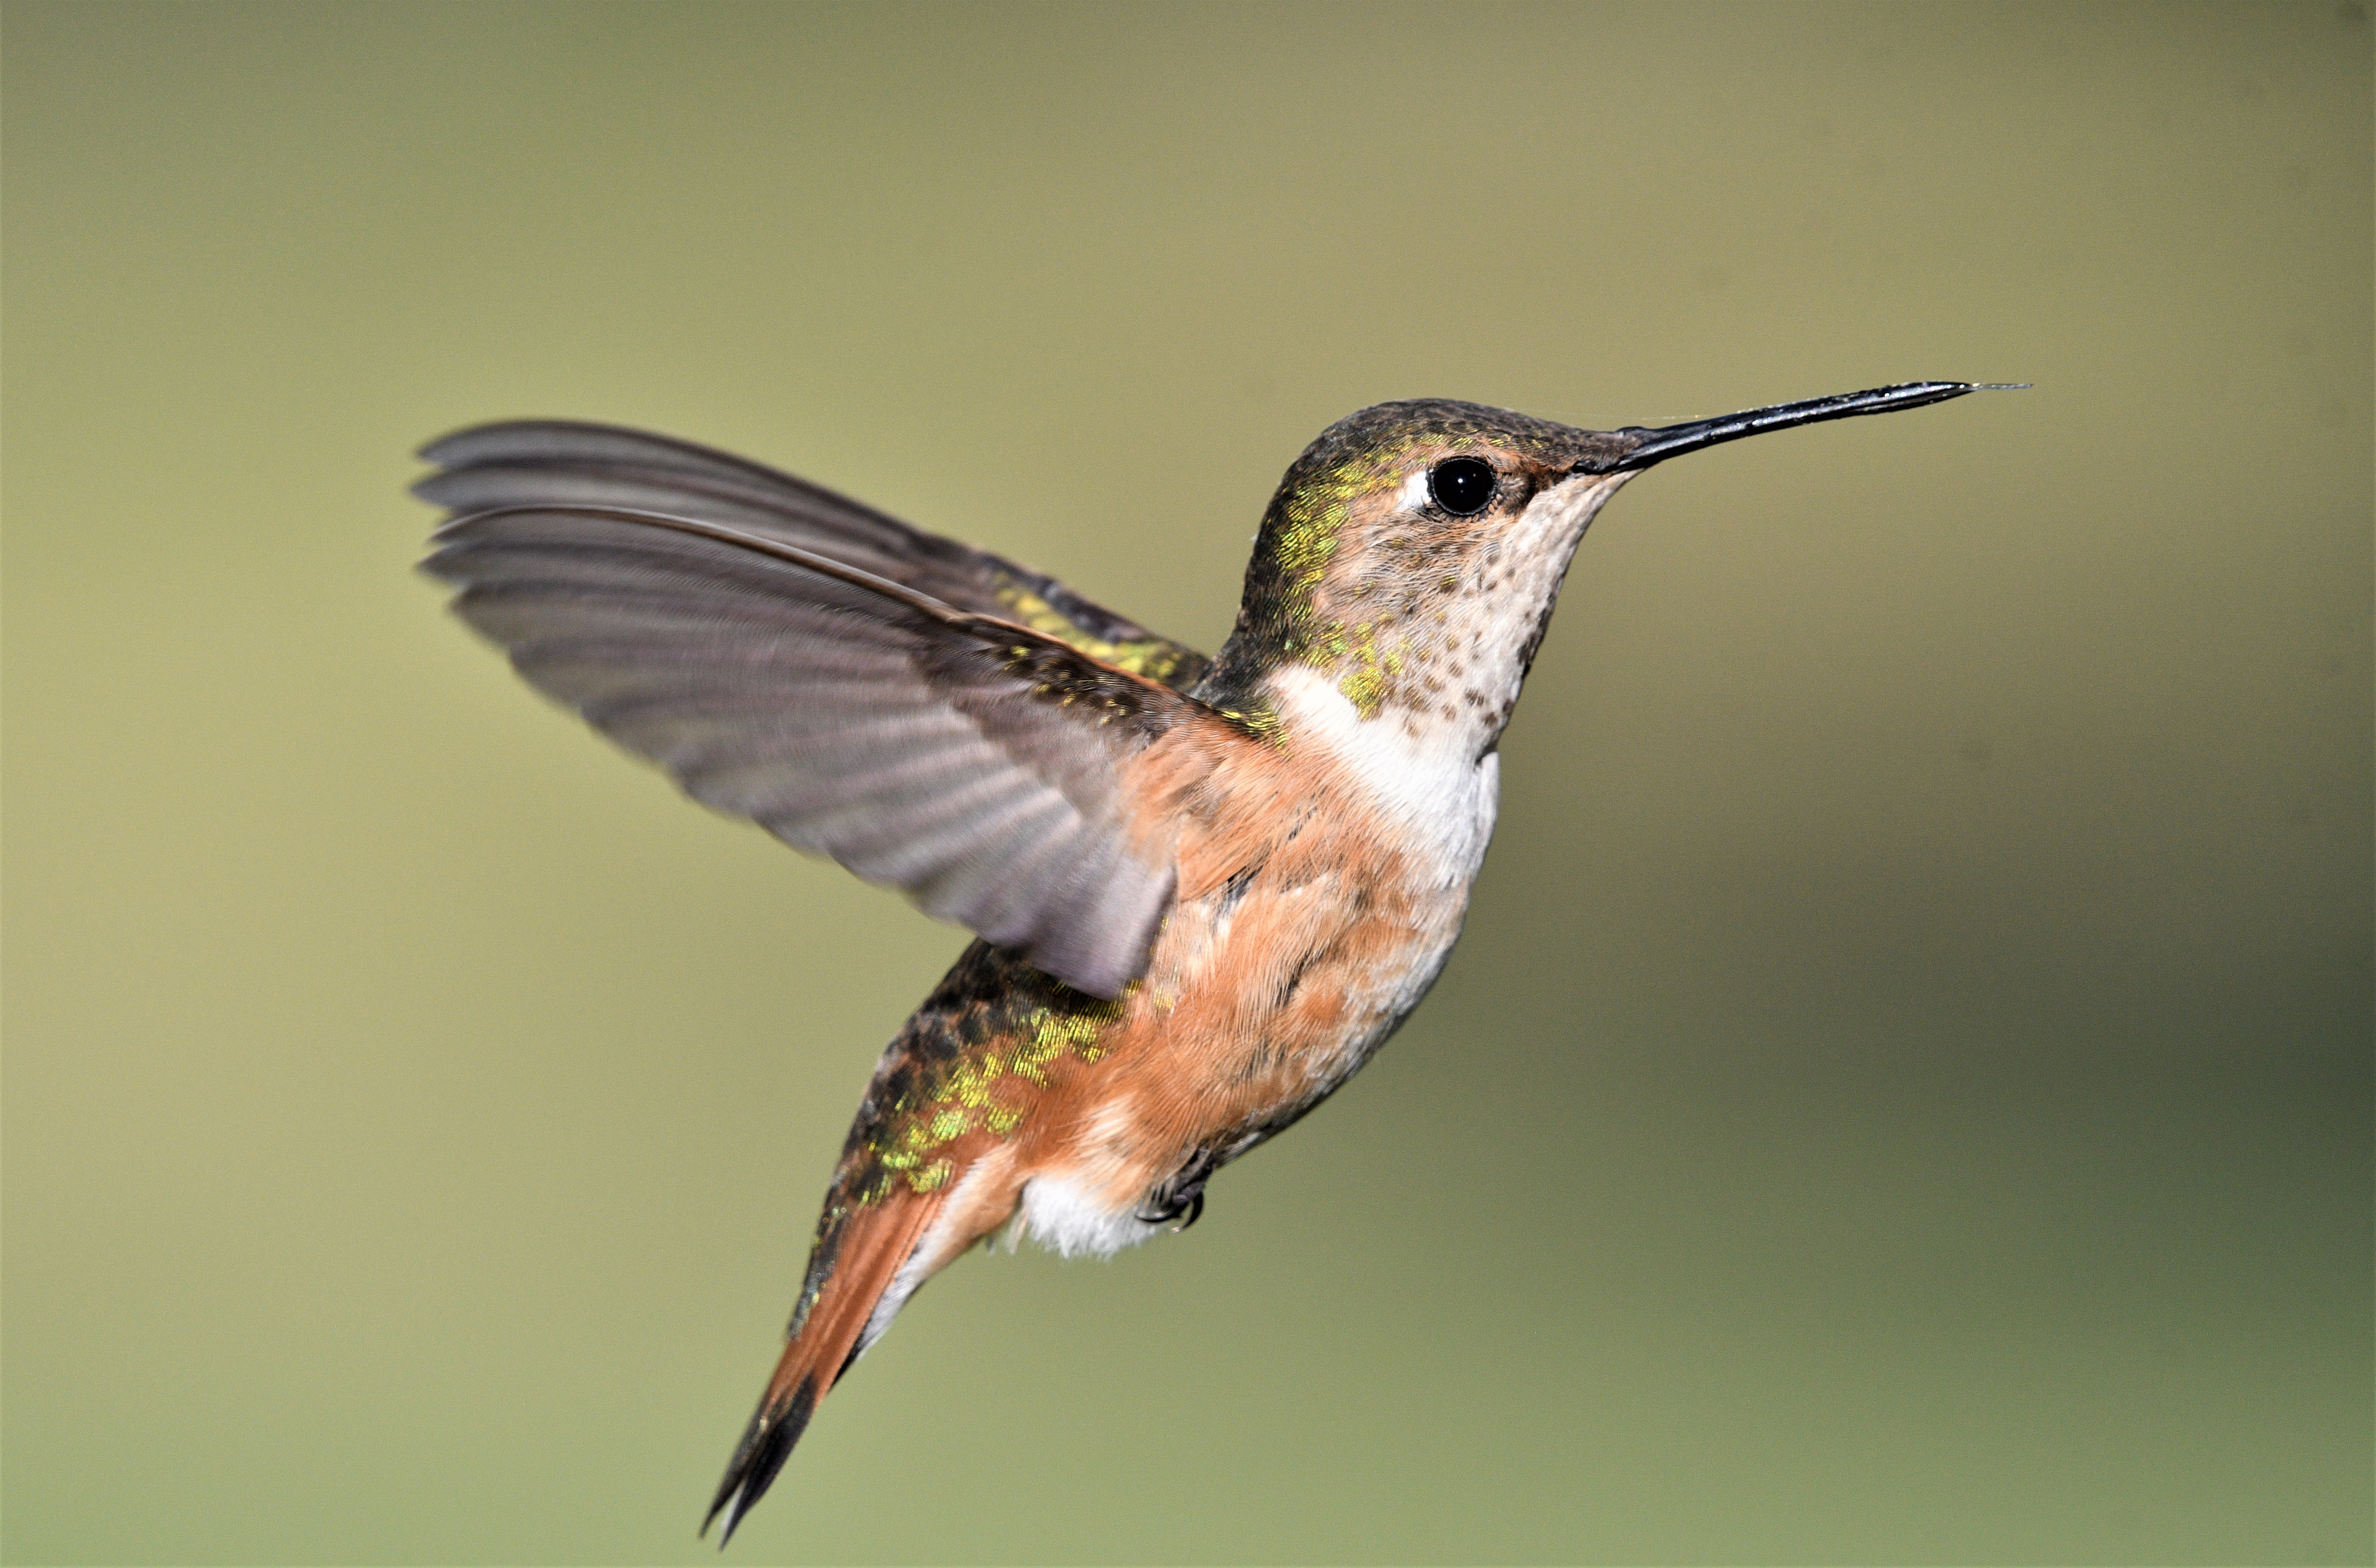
column 861, row 1263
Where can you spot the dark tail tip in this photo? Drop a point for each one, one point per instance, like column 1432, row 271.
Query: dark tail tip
column 767, row 1443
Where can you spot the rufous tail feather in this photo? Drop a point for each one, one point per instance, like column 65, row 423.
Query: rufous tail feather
column 866, row 1257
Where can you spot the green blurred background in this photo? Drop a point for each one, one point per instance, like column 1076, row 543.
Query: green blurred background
column 1905, row 1092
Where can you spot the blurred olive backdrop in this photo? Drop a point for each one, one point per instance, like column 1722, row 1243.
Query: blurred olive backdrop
column 1903, row 1094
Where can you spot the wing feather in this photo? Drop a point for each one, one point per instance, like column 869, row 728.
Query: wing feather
column 564, row 463
column 968, row 760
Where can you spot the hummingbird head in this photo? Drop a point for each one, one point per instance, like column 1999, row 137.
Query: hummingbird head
column 1412, row 556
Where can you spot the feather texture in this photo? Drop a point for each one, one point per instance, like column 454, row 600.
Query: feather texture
column 967, row 760
column 826, row 1336
column 559, row 462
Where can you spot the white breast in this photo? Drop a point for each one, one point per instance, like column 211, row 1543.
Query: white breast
column 1438, row 795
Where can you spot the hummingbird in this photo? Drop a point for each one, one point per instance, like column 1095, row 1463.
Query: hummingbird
column 1204, row 890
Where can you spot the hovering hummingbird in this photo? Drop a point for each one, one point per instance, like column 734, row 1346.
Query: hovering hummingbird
column 1205, row 889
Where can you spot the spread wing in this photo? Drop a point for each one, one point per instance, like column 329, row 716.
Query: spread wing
column 561, row 463
column 965, row 759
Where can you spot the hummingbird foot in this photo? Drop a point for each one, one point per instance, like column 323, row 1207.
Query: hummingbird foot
column 1184, row 1194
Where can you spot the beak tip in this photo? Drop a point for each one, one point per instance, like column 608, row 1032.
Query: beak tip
column 1643, row 447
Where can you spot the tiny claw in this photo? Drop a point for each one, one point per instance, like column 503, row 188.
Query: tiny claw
column 1184, row 1194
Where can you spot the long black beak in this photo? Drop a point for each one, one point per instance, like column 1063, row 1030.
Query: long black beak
column 1656, row 446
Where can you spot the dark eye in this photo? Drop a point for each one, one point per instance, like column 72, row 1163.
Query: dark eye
column 1462, row 486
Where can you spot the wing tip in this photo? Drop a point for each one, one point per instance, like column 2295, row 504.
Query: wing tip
column 1075, row 951
column 476, row 442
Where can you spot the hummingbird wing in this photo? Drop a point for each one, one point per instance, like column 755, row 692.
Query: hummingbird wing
column 967, row 760
column 559, row 462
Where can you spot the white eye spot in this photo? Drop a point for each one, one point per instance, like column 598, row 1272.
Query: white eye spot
column 1414, row 496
